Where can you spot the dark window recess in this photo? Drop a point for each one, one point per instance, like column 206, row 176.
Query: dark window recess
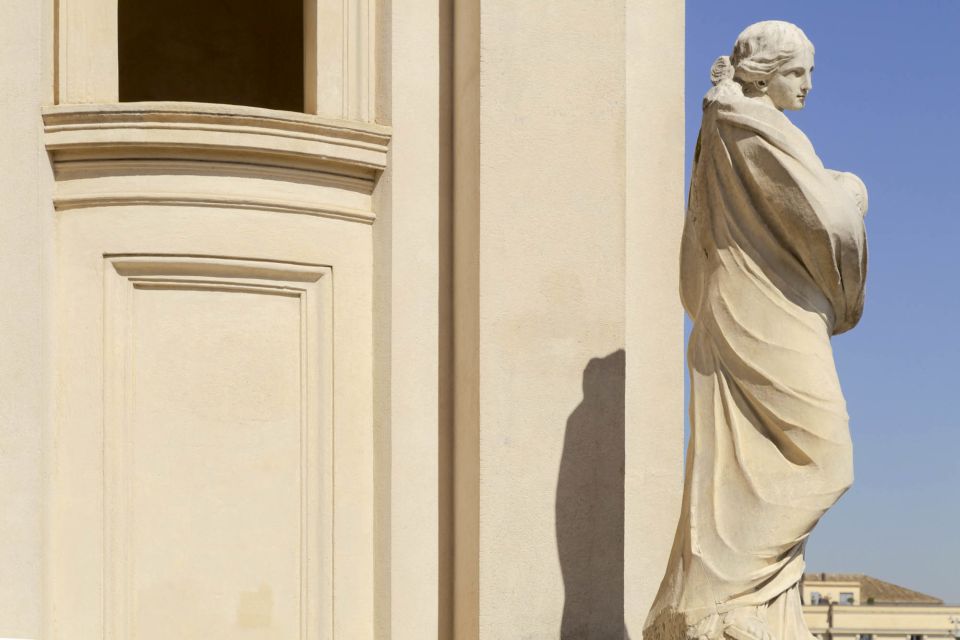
column 246, row 52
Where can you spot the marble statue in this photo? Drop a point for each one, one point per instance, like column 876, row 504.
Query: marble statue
column 773, row 263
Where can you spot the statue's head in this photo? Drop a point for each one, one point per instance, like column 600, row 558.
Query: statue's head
column 774, row 59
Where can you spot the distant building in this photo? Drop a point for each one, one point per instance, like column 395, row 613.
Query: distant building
column 853, row 606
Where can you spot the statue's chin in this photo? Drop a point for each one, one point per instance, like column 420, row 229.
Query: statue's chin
column 787, row 104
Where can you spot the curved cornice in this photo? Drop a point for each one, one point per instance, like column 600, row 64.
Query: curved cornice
column 189, row 154
column 187, row 129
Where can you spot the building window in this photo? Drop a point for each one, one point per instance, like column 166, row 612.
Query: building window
column 814, row 597
column 915, row 636
column 865, row 636
column 245, row 52
column 846, row 597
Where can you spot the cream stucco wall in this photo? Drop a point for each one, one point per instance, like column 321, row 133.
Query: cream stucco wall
column 407, row 323
column 25, row 251
column 569, row 333
column 496, row 257
column 654, row 372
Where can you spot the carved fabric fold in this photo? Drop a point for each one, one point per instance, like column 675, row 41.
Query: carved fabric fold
column 773, row 264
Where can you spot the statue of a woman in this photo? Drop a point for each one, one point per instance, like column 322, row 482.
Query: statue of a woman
column 772, row 265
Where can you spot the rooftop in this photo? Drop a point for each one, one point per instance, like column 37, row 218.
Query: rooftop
column 875, row 591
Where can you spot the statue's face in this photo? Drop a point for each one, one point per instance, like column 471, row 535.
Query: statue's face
column 788, row 88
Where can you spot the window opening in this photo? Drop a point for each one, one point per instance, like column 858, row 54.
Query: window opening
column 244, row 52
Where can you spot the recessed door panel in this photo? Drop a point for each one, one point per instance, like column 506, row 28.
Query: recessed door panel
column 216, row 449
column 209, row 471
column 216, row 464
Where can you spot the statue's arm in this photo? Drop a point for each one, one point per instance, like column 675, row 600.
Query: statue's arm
column 852, row 184
column 691, row 253
column 691, row 268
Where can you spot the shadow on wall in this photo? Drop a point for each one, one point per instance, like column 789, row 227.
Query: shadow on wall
column 589, row 508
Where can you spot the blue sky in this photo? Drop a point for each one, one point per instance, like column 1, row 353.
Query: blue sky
column 886, row 105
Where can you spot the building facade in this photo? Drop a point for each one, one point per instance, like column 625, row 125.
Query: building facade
column 339, row 319
column 860, row 607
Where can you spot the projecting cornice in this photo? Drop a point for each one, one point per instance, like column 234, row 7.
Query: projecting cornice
column 162, row 129
column 193, row 154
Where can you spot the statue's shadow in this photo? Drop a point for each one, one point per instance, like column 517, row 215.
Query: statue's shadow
column 589, row 506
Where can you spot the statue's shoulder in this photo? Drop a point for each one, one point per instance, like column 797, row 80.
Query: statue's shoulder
column 740, row 107
column 766, row 122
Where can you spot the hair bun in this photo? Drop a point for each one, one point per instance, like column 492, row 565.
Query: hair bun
column 721, row 75
column 721, row 70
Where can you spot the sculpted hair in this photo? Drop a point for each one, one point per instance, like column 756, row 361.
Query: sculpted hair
column 758, row 53
column 764, row 46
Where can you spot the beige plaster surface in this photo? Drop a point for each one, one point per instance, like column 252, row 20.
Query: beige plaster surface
column 89, row 461
column 87, row 45
column 243, row 187
column 654, row 189
column 541, row 245
column 340, row 58
column 213, row 288
column 215, row 454
column 407, row 324
column 25, row 218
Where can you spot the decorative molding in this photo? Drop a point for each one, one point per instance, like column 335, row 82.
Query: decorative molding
column 339, row 51
column 67, row 170
column 220, row 202
column 224, row 156
column 86, row 61
column 214, row 267
column 312, row 285
column 211, row 131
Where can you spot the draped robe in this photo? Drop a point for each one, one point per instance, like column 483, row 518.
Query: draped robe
column 772, row 265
